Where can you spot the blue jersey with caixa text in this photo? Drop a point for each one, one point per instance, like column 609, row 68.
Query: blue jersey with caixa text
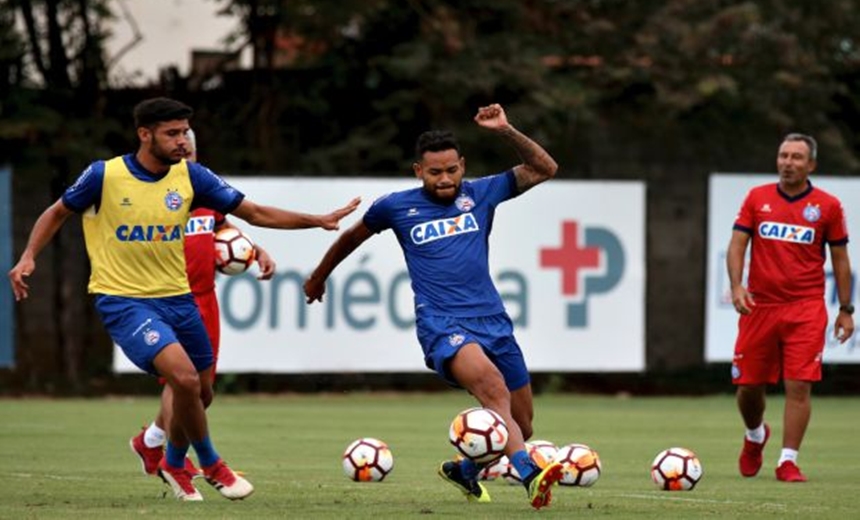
column 446, row 245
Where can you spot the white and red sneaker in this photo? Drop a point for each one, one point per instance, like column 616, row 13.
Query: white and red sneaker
column 149, row 457
column 227, row 482
column 179, row 481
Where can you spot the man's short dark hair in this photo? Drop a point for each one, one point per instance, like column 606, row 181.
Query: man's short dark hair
column 808, row 139
column 436, row 141
column 159, row 110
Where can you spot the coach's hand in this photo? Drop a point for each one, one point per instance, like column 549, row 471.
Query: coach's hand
column 844, row 327
column 742, row 300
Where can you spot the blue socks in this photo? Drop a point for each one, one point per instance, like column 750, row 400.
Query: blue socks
column 524, row 465
column 175, row 456
column 206, row 453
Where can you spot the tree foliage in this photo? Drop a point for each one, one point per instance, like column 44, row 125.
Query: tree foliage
column 718, row 78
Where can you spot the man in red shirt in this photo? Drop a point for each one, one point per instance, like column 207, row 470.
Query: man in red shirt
column 783, row 317
column 200, row 266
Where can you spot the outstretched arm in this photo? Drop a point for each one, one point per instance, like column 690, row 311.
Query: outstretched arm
column 272, row 217
column 47, row 225
column 537, row 166
column 345, row 244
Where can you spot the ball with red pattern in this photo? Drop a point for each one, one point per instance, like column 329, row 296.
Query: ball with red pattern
column 479, row 434
column 542, row 452
column 581, row 465
column 676, row 469
column 367, row 460
column 234, row 251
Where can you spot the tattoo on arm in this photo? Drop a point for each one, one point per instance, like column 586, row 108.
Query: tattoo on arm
column 537, row 165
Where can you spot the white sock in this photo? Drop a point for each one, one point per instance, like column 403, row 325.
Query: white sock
column 787, row 454
column 154, row 436
column 756, row 434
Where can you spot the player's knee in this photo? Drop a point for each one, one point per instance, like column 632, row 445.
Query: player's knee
column 185, row 382
column 491, row 387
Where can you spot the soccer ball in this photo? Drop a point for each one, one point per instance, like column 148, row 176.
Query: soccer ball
column 367, row 460
column 500, row 469
column 494, row 470
column 581, row 465
column 234, row 251
column 479, row 434
column 541, row 452
column 676, row 469
column 508, row 472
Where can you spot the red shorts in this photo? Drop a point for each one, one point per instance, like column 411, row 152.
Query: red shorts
column 207, row 303
column 783, row 339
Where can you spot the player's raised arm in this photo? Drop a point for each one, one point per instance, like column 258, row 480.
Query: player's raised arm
column 272, row 217
column 345, row 244
column 47, row 225
column 538, row 165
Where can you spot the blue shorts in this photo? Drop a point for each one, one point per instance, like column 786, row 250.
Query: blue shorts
column 442, row 336
column 143, row 326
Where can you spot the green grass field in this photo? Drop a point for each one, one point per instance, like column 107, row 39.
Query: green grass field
column 70, row 459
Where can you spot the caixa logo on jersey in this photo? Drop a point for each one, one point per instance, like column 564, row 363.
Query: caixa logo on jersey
column 155, row 233
column 786, row 232
column 443, row 228
column 204, row 225
column 590, row 264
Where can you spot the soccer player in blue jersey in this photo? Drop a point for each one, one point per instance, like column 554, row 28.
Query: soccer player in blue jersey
column 134, row 209
column 467, row 337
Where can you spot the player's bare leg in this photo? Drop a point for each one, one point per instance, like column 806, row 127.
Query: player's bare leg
column 189, row 418
column 522, row 410
column 165, row 412
column 751, row 404
column 148, row 445
column 188, row 426
column 477, row 374
column 798, row 409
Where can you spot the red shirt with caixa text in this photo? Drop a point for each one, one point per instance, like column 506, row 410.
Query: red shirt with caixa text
column 200, row 249
column 789, row 235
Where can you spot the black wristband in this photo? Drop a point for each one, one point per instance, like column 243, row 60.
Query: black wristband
column 847, row 309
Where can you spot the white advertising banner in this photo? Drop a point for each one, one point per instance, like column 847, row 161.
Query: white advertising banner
column 568, row 258
column 725, row 195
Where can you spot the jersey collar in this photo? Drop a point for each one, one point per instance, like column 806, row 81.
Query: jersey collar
column 799, row 196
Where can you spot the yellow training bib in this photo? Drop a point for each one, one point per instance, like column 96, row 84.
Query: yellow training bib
column 135, row 238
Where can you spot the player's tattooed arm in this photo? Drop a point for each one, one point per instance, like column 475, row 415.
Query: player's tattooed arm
column 537, row 166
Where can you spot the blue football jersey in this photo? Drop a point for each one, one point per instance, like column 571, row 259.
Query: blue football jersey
column 446, row 245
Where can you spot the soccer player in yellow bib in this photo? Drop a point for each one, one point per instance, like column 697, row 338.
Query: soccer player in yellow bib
column 134, row 209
